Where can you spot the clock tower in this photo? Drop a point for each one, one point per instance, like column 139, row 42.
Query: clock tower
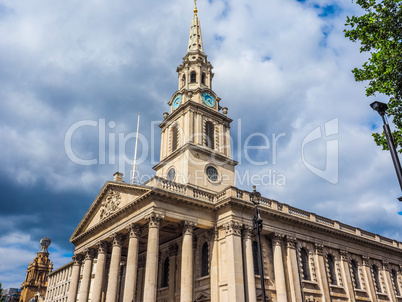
column 195, row 138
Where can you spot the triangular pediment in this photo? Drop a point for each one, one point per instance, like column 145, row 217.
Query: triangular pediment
column 112, row 199
column 203, row 297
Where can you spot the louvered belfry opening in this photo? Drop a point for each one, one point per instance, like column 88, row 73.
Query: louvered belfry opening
column 209, row 135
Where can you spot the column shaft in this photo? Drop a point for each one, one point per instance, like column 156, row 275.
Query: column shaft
column 186, row 288
column 388, row 282
column 172, row 272
column 86, row 275
column 279, row 270
column 249, row 265
column 75, row 276
column 132, row 264
column 151, row 267
column 234, row 262
column 293, row 269
column 369, row 280
column 346, row 275
column 214, row 267
column 112, row 287
column 100, row 271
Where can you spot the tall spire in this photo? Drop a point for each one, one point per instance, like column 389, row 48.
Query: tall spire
column 195, row 40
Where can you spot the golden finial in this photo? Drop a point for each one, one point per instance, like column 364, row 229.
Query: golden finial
column 195, row 8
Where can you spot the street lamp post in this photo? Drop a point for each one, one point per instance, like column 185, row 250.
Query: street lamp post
column 257, row 226
column 381, row 108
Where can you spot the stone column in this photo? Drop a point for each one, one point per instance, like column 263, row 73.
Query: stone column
column 227, row 141
column 100, row 271
column 214, row 265
column 151, row 267
column 191, row 126
column 371, row 289
column 163, row 147
column 140, row 281
column 346, row 275
column 187, row 282
column 132, row 263
column 279, row 270
column 200, row 133
column 388, row 282
column 234, row 262
column 113, row 283
column 221, row 138
column 75, row 276
column 86, row 275
column 249, row 264
column 172, row 271
column 293, row 269
column 322, row 272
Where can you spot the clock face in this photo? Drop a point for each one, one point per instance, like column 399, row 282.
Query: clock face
column 177, row 102
column 208, row 99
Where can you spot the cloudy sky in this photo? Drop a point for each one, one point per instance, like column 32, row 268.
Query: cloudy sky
column 75, row 74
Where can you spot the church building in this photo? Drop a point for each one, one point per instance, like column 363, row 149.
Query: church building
column 187, row 234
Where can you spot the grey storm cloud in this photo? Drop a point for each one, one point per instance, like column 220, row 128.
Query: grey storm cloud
column 282, row 67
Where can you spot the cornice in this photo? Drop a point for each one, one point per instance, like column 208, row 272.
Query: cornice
column 198, row 148
column 195, row 106
column 229, row 198
column 108, row 185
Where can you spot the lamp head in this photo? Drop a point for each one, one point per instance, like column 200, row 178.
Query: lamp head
column 255, row 196
column 379, row 107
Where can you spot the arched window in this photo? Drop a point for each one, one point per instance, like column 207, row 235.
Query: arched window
column 374, row 270
column 331, row 268
column 305, row 264
column 165, row 276
column 204, row 260
column 175, row 137
column 395, row 282
column 203, row 78
column 355, row 273
column 255, row 258
column 209, row 135
column 193, row 77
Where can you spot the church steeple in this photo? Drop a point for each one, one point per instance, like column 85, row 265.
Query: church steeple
column 195, row 39
column 195, row 142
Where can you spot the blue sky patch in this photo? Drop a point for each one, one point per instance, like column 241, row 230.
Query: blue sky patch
column 329, row 10
column 266, row 58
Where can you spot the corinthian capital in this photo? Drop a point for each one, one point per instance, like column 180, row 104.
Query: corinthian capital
column 134, row 230
column 319, row 249
column 153, row 220
column 77, row 258
column 233, row 228
column 277, row 239
column 89, row 254
column 188, row 227
column 291, row 242
column 117, row 239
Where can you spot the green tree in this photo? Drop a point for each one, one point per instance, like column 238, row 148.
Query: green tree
column 379, row 32
column 1, row 293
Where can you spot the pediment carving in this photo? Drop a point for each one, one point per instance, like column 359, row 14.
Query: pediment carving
column 110, row 204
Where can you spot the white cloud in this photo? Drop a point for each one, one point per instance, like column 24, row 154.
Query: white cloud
column 280, row 68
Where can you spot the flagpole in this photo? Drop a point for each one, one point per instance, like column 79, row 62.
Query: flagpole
column 135, row 152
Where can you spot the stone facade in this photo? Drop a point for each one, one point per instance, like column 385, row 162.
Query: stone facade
column 35, row 282
column 59, row 284
column 187, row 234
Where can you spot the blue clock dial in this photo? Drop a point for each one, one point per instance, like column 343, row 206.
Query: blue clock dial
column 177, row 102
column 208, row 99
